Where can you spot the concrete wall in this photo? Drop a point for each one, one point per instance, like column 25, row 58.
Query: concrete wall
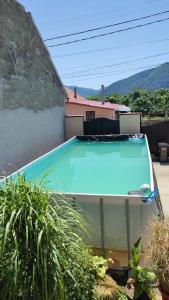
column 75, row 109
column 73, row 126
column 129, row 123
column 31, row 92
column 25, row 135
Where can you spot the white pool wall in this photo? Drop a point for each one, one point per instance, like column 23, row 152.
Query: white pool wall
column 115, row 226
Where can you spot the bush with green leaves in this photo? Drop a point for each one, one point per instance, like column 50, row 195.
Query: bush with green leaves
column 141, row 277
column 42, row 256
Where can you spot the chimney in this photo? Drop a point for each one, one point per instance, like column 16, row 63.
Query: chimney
column 102, row 94
column 75, row 93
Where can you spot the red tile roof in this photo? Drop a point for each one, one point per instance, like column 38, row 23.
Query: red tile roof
column 83, row 101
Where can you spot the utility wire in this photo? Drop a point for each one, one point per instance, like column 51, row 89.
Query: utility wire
column 115, row 72
column 116, row 64
column 107, row 26
column 107, row 49
column 89, row 51
column 109, row 33
column 92, row 74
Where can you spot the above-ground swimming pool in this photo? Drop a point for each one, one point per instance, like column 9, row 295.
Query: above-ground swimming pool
column 99, row 176
column 90, row 167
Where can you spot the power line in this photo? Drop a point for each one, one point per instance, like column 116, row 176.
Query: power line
column 116, row 72
column 109, row 33
column 118, row 64
column 107, row 49
column 107, row 26
column 87, row 74
column 90, row 51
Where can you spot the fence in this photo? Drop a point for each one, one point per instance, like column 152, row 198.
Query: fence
column 156, row 133
column 101, row 126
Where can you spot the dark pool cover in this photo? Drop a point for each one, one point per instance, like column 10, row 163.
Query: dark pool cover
column 105, row 138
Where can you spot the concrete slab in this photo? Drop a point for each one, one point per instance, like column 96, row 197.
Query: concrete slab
column 162, row 176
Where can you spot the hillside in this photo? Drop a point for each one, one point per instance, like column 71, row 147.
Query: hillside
column 84, row 92
column 151, row 79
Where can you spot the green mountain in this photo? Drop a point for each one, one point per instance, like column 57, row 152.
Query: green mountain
column 151, row 79
column 84, row 92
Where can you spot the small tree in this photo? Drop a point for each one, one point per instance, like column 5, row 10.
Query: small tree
column 141, row 101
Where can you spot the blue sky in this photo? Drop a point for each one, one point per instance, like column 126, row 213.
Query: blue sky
column 96, row 67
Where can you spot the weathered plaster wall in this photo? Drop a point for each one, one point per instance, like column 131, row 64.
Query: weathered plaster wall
column 31, row 92
column 25, row 135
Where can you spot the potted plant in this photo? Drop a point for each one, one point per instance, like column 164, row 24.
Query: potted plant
column 158, row 254
column 141, row 278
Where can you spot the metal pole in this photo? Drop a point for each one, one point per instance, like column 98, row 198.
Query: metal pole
column 128, row 229
column 102, row 223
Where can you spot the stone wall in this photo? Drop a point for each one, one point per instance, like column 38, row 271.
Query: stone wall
column 31, row 92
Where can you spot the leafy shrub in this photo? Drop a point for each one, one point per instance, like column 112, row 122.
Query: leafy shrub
column 41, row 253
column 100, row 265
column 142, row 278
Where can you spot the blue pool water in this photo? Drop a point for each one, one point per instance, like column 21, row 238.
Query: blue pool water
column 93, row 167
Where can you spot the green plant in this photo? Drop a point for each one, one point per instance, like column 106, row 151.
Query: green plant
column 158, row 251
column 100, row 265
column 41, row 253
column 107, row 289
column 142, row 279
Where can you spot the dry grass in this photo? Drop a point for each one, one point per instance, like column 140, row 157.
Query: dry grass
column 158, row 251
column 107, row 289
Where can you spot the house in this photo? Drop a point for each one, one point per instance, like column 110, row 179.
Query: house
column 77, row 105
column 31, row 93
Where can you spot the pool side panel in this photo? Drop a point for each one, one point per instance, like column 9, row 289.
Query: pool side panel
column 114, row 213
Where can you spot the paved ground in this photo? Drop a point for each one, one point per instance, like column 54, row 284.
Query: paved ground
column 162, row 176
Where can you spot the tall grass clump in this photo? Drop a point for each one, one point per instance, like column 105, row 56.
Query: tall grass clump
column 157, row 253
column 42, row 256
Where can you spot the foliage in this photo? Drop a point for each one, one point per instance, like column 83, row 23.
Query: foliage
column 107, row 289
column 141, row 100
column 93, row 98
column 41, row 253
column 101, row 266
column 158, row 251
column 114, row 98
column 142, row 278
column 149, row 101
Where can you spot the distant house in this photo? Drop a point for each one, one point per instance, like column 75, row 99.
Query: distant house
column 77, row 105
